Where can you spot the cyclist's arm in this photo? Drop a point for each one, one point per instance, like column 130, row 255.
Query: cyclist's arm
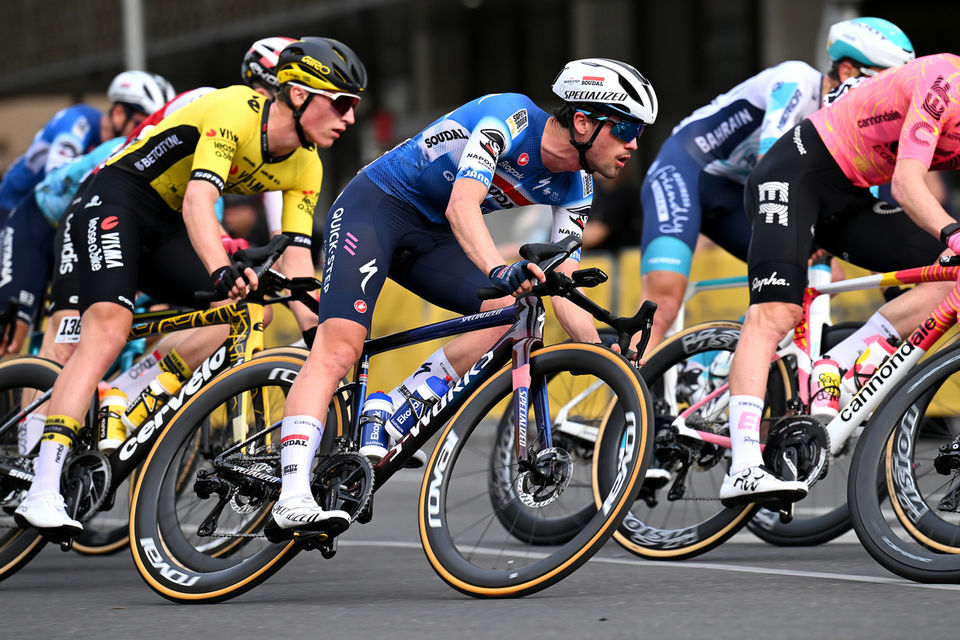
column 466, row 220
column 571, row 220
column 298, row 262
column 202, row 226
column 910, row 190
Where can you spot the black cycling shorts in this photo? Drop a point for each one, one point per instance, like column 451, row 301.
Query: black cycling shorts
column 370, row 234
column 119, row 237
column 797, row 196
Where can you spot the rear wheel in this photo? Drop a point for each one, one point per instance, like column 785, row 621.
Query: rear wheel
column 205, row 542
column 469, row 537
column 21, row 381
column 679, row 514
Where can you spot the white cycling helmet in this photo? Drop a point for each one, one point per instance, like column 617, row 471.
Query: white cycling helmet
column 872, row 42
column 143, row 91
column 609, row 86
column 261, row 58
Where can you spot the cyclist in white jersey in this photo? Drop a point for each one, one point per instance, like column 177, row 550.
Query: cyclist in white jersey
column 695, row 185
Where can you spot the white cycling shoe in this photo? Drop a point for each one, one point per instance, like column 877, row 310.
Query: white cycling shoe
column 759, row 484
column 304, row 514
column 47, row 513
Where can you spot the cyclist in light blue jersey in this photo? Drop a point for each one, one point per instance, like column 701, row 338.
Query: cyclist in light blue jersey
column 416, row 214
column 45, row 179
column 695, row 184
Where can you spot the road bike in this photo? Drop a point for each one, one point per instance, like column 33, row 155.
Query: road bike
column 91, row 479
column 238, row 479
column 687, row 376
column 904, row 486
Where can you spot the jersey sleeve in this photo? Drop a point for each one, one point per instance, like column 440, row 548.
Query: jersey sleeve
column 489, row 138
column 786, row 95
column 925, row 117
column 217, row 145
column 299, row 203
column 570, row 218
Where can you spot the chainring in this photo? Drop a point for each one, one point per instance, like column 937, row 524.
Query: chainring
column 798, row 448
column 344, row 481
column 86, row 481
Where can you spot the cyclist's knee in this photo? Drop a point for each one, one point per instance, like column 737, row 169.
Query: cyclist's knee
column 338, row 345
column 666, row 288
column 774, row 317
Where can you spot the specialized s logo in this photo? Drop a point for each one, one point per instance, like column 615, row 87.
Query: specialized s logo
column 774, row 197
column 493, row 142
column 937, row 98
column 368, row 270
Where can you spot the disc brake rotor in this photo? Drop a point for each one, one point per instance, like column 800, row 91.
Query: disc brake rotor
column 552, row 471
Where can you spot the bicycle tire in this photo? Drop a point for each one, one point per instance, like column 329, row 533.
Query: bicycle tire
column 823, row 515
column 100, row 540
column 894, row 491
column 683, row 528
column 19, row 546
column 509, row 569
column 171, row 558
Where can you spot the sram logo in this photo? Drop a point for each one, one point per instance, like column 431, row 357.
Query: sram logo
column 157, row 562
column 210, row 367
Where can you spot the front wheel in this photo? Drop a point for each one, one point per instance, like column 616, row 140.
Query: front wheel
column 904, row 485
column 197, row 523
column 466, row 535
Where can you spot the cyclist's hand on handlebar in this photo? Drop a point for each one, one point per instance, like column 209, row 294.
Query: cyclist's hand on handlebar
column 516, row 279
column 232, row 280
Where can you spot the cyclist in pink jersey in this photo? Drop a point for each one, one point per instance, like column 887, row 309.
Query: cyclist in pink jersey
column 812, row 187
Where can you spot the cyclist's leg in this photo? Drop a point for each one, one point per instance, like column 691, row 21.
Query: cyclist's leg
column 359, row 239
column 26, row 249
column 109, row 237
column 881, row 237
column 671, row 208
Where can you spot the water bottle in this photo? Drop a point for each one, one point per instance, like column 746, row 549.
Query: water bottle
column 150, row 399
column 413, row 408
column 825, row 389
column 373, row 419
column 111, row 429
column 878, row 349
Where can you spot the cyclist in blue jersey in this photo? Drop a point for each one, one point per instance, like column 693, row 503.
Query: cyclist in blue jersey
column 42, row 182
column 416, row 214
column 695, row 184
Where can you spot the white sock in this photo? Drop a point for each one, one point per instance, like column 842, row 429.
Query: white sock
column 30, row 430
column 847, row 352
column 48, row 467
column 436, row 365
column 745, row 415
column 136, row 378
column 299, row 439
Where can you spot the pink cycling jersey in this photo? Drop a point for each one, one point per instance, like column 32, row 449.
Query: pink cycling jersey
column 911, row 111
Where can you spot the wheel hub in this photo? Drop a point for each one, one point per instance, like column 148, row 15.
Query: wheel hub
column 545, row 481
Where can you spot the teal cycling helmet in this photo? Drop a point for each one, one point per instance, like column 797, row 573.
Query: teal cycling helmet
column 872, row 42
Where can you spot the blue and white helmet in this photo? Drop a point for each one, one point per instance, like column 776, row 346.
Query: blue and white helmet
column 872, row 42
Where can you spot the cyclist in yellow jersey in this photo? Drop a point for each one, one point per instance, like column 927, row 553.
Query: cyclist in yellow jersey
column 147, row 222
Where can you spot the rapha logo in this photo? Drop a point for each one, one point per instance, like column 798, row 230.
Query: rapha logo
column 771, row 280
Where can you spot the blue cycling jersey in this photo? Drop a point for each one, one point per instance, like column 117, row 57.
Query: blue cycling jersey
column 70, row 133
column 59, row 186
column 495, row 140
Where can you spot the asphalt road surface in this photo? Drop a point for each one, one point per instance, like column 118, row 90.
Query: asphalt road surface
column 380, row 585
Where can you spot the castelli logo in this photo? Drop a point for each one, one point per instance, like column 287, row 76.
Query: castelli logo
column 109, row 223
column 523, row 159
column 360, row 306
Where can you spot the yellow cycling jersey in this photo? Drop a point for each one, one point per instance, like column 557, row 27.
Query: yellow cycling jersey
column 222, row 138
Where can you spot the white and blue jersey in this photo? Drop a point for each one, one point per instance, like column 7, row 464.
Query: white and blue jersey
column 495, row 140
column 59, row 186
column 696, row 182
column 391, row 218
column 72, row 132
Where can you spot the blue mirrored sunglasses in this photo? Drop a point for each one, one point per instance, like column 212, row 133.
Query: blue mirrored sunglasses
column 625, row 130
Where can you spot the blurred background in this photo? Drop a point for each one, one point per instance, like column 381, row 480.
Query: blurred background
column 426, row 57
